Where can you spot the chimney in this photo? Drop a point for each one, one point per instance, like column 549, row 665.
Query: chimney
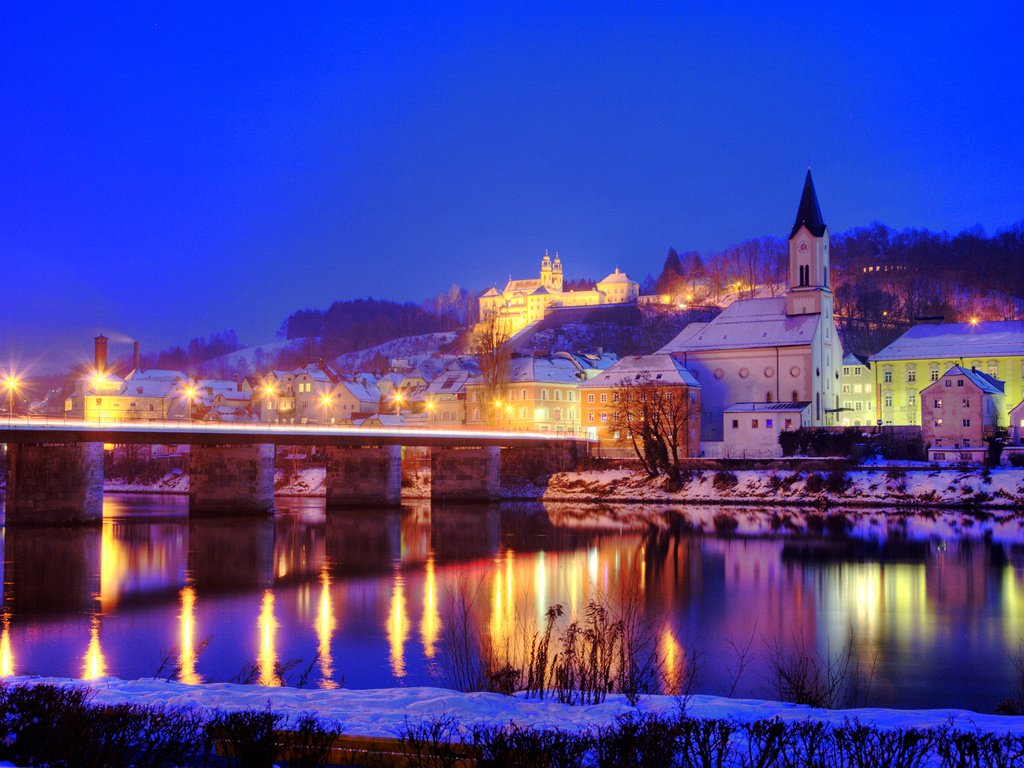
column 101, row 354
column 136, row 357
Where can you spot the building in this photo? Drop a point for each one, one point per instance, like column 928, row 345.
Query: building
column 771, row 350
column 541, row 396
column 314, row 394
column 919, row 357
column 857, row 398
column 599, row 397
column 445, row 396
column 139, row 396
column 958, row 412
column 524, row 302
column 752, row 429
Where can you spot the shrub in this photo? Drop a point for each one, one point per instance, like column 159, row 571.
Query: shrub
column 723, row 480
column 1017, row 459
column 513, row 745
column 815, row 482
column 433, row 743
column 837, row 481
column 640, row 740
column 246, row 738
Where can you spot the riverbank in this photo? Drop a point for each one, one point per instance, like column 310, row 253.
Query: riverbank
column 388, row 712
column 1000, row 488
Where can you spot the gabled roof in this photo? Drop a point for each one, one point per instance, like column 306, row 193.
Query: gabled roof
column 951, row 341
column 616, row 277
column 522, row 286
column 809, row 213
column 492, row 291
column 747, row 324
column 656, row 369
column 852, row 358
column 990, row 385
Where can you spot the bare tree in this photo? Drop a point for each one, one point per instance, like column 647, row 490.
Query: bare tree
column 655, row 419
column 490, row 343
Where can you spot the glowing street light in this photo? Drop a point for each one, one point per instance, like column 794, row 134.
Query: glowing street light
column 974, row 321
column 11, row 383
column 190, row 394
column 398, row 398
column 325, row 401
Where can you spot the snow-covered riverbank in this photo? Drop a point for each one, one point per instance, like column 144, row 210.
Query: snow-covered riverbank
column 861, row 487
column 387, row 712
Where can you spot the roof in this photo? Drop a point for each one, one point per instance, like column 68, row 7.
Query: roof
column 793, row 406
column 988, row 384
column 449, row 382
column 809, row 213
column 747, row 324
column 522, row 286
column 540, row 290
column 544, row 370
column 657, row 369
column 616, row 277
column 361, row 393
column 946, row 341
column 851, row 358
column 492, row 291
column 155, row 374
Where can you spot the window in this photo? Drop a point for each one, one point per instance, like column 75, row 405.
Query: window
column 768, row 423
column 933, row 373
column 604, row 416
column 590, row 397
column 940, row 456
column 937, row 403
column 949, row 383
column 959, row 382
column 938, row 441
column 558, row 394
column 993, row 370
column 856, row 370
column 523, row 394
column 965, row 403
column 967, row 442
column 967, row 422
column 846, row 389
column 887, row 400
column 911, row 374
column 735, row 423
column 846, row 370
column 912, row 399
column 615, row 397
column 753, row 423
column 859, row 405
column 544, row 395
column 789, row 423
column 604, row 397
column 590, row 418
column 887, row 375
column 937, row 423
column 522, row 413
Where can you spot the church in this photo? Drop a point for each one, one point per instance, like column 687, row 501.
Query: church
column 524, row 302
column 770, row 364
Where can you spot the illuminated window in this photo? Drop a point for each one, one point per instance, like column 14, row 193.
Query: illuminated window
column 937, row 403
column 768, row 423
column 887, row 375
column 604, row 416
column 753, row 423
column 911, row 374
column 887, row 400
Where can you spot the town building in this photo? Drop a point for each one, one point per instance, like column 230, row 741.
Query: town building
column 857, row 397
column 920, row 356
column 314, row 394
column 152, row 395
column 444, row 398
column 783, row 349
column 541, row 395
column 958, row 412
column 600, row 397
column 524, row 302
column 752, row 429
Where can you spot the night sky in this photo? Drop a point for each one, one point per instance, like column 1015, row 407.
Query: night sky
column 174, row 169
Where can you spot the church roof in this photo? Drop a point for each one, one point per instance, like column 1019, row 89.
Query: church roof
column 539, row 291
column 809, row 213
column 950, row 341
column 523, row 286
column 747, row 324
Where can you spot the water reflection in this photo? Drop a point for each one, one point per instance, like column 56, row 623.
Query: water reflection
column 367, row 594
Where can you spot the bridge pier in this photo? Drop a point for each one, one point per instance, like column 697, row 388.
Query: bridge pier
column 231, row 479
column 364, row 477
column 54, row 483
column 465, row 474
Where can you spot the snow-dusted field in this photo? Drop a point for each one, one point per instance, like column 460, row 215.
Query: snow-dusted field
column 386, row 712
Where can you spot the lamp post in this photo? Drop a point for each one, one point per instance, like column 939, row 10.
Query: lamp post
column 190, row 393
column 431, row 407
column 325, row 401
column 397, row 398
column 11, row 383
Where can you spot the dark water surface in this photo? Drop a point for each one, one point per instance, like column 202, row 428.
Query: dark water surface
column 365, row 598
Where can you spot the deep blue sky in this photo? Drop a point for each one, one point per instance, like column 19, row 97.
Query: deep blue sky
column 173, row 169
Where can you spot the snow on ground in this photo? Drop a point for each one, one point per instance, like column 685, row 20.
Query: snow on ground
column 888, row 488
column 172, row 482
column 415, row 350
column 386, row 712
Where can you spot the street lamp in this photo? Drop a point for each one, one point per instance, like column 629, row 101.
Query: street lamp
column 11, row 383
column 325, row 401
column 397, row 398
column 190, row 393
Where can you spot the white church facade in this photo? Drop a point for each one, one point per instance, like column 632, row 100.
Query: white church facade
column 783, row 351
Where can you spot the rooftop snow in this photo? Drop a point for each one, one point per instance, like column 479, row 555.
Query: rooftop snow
column 657, row 368
column 747, row 324
column 794, row 407
column 945, row 341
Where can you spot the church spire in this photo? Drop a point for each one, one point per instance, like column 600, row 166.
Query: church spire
column 809, row 213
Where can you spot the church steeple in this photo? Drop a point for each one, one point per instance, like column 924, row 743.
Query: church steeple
column 809, row 213
column 809, row 290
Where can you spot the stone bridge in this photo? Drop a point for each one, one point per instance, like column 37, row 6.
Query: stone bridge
column 55, row 467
